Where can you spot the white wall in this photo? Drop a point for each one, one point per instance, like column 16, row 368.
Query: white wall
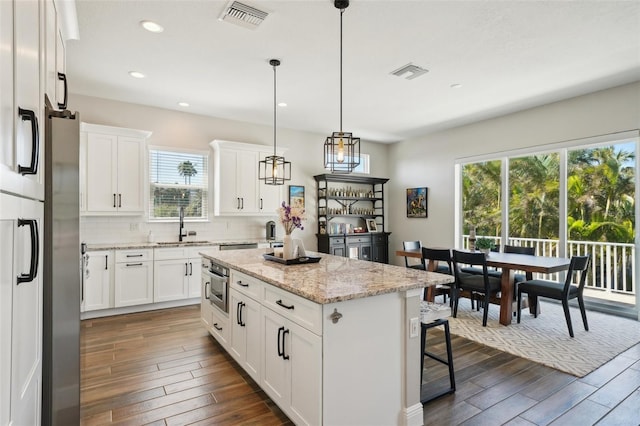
column 180, row 129
column 429, row 160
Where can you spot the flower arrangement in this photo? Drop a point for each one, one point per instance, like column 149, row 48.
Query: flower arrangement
column 291, row 217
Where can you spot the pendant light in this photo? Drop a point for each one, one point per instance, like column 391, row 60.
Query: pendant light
column 274, row 170
column 341, row 149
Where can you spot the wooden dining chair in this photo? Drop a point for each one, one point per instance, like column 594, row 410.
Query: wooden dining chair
column 560, row 291
column 413, row 245
column 443, row 257
column 473, row 284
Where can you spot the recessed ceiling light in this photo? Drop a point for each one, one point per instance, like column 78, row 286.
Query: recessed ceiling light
column 183, row 104
column 152, row 26
column 456, row 86
column 136, row 74
column 282, row 104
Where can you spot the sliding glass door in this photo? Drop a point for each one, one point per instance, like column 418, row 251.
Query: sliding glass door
column 575, row 199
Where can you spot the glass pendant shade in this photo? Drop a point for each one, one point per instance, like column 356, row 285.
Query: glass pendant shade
column 274, row 169
column 341, row 152
column 341, row 149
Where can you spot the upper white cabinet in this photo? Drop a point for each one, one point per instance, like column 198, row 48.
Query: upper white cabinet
column 113, row 166
column 22, row 144
column 237, row 189
column 55, row 82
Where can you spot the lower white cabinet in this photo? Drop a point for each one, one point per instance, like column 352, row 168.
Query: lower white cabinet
column 133, row 277
column 276, row 337
column 177, row 273
column 20, row 310
column 292, row 369
column 98, row 280
column 245, row 317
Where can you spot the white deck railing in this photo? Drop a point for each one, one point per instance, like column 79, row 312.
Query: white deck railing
column 612, row 268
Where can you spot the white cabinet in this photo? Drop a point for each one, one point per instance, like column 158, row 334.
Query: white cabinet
column 246, row 316
column 20, row 310
column 55, row 80
column 98, row 280
column 237, row 189
column 177, row 273
column 114, row 169
column 22, row 143
column 133, row 277
column 292, row 373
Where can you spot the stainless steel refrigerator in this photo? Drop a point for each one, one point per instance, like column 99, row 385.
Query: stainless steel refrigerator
column 62, row 270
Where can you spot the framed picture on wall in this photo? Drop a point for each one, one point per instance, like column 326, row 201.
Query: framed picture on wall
column 372, row 226
column 417, row 202
column 296, row 196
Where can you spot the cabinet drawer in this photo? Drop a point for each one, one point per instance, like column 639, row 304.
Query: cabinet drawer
column 245, row 284
column 336, row 241
column 303, row 312
column 170, row 253
column 352, row 240
column 134, row 255
column 220, row 327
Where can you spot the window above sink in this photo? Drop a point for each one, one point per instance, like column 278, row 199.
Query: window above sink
column 178, row 179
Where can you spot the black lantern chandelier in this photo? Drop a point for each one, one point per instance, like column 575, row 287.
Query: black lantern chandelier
column 341, row 149
column 274, row 170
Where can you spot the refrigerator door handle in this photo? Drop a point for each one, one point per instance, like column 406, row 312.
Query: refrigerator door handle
column 35, row 251
column 29, row 115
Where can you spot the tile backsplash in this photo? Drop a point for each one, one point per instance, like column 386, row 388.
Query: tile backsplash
column 124, row 229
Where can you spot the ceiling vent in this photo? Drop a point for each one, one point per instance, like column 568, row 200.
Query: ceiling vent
column 243, row 15
column 413, row 71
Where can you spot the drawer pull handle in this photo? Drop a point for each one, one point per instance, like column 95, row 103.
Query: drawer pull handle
column 279, row 302
column 217, row 327
column 134, row 255
column 134, row 264
column 240, row 283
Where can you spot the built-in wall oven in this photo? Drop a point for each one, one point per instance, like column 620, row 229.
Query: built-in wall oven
column 216, row 284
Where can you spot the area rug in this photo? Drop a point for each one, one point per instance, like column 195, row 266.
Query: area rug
column 546, row 340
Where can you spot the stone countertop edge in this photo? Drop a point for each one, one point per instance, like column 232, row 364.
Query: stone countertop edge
column 147, row 245
column 333, row 279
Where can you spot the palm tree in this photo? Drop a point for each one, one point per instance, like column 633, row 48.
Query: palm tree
column 187, row 169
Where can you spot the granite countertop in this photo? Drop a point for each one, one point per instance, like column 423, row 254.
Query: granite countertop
column 195, row 243
column 333, row 279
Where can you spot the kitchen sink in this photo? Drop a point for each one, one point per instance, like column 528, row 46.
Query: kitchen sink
column 181, row 243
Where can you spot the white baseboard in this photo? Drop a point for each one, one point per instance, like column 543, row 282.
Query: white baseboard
column 138, row 308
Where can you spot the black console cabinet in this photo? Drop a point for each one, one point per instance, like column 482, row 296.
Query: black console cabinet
column 351, row 217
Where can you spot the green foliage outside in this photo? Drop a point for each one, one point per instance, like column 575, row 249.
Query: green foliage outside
column 600, row 205
column 167, row 202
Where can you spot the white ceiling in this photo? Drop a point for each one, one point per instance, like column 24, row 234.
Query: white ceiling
column 507, row 55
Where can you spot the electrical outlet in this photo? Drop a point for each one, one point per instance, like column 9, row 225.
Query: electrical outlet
column 414, row 326
column 134, row 226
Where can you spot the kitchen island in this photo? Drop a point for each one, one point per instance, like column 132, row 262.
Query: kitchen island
column 334, row 343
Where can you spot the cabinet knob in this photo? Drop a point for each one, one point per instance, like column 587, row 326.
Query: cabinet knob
column 335, row 316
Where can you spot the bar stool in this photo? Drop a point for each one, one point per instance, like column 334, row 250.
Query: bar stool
column 435, row 315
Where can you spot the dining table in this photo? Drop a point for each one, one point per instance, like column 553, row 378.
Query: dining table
column 508, row 263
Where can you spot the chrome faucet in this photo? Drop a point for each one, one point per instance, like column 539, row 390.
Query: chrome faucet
column 181, row 231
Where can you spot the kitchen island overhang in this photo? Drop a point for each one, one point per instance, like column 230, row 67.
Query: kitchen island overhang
column 361, row 323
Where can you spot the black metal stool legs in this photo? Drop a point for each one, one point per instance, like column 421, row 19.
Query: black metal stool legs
column 448, row 362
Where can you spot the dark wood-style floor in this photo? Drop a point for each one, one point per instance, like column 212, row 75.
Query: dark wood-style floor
column 163, row 368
